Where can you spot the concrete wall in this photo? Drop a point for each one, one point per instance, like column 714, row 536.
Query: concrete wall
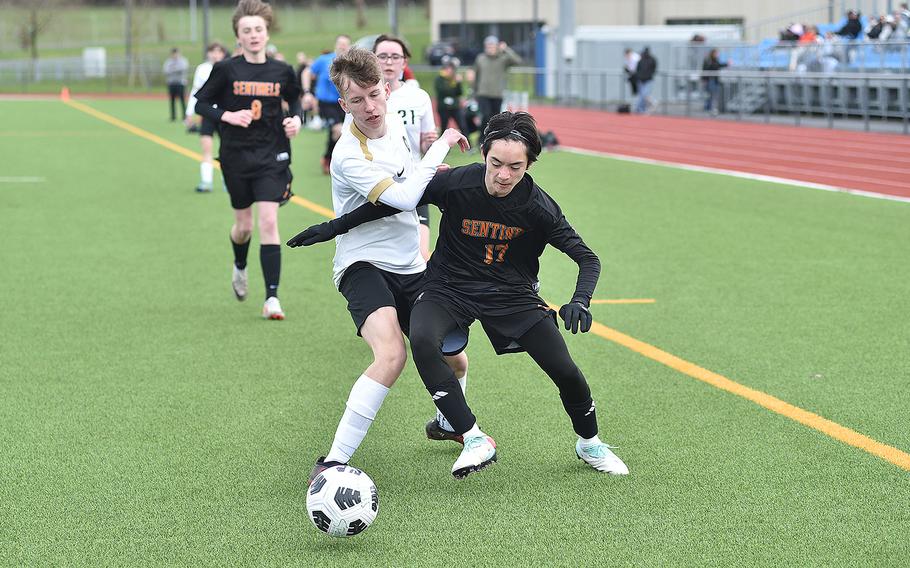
column 774, row 13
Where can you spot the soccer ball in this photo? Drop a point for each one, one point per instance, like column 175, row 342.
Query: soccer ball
column 342, row 501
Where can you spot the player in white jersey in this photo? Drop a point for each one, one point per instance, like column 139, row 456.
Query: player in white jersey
column 413, row 107
column 213, row 54
column 378, row 266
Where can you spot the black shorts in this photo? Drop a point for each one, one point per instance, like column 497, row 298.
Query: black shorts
column 331, row 112
column 368, row 288
column 208, row 127
column 246, row 189
column 505, row 316
column 423, row 214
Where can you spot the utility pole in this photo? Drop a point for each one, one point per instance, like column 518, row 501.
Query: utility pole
column 193, row 20
column 205, row 27
column 393, row 17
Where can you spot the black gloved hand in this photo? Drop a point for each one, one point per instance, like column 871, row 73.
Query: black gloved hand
column 576, row 316
column 314, row 234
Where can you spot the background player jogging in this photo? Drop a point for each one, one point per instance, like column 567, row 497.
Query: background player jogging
column 495, row 225
column 255, row 152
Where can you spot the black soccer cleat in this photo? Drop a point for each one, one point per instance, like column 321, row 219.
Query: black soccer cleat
column 437, row 432
column 321, row 465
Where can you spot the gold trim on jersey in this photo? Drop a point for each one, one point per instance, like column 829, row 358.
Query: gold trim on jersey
column 363, row 144
column 377, row 190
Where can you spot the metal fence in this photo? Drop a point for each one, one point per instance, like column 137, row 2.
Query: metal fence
column 857, row 101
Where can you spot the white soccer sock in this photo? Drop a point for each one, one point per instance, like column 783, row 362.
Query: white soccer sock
column 206, row 173
column 363, row 403
column 474, row 431
column 588, row 442
column 443, row 423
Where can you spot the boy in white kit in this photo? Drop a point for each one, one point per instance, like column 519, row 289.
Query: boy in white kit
column 378, row 266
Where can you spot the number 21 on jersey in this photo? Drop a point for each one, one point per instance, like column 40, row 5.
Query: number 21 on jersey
column 404, row 116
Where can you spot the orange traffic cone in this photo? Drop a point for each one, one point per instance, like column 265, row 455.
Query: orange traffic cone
column 65, row 94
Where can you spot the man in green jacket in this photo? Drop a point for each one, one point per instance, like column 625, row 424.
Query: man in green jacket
column 491, row 70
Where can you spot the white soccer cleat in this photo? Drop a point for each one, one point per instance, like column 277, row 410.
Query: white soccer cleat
column 600, row 457
column 478, row 453
column 271, row 310
column 239, row 283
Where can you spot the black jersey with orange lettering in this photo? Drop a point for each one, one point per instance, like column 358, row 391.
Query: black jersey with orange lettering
column 236, row 84
column 488, row 242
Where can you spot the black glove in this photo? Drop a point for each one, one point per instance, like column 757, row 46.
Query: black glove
column 315, row 234
column 576, row 316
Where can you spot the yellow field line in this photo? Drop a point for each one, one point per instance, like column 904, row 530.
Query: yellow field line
column 774, row 404
column 625, row 301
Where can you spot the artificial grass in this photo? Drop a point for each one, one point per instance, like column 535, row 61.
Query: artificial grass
column 149, row 418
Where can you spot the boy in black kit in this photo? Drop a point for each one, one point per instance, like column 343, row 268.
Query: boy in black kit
column 496, row 223
column 246, row 93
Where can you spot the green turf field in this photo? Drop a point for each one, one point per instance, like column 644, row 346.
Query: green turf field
column 148, row 418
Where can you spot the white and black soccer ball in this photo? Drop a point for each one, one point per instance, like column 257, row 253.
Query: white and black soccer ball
column 342, row 501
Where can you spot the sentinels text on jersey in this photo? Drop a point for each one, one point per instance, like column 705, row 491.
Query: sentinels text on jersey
column 235, row 84
column 502, row 253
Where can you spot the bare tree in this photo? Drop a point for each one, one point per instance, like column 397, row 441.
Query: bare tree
column 38, row 15
column 361, row 21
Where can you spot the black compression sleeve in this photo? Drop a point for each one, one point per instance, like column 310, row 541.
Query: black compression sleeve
column 364, row 214
column 588, row 272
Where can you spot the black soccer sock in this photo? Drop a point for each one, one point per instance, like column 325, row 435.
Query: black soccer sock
column 270, row 258
column 449, row 399
column 583, row 416
column 240, row 252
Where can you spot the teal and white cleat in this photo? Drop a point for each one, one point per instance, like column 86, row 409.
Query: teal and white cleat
column 600, row 457
column 478, row 453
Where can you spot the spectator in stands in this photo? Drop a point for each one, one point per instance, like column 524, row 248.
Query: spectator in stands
column 852, row 27
column 905, row 13
column 888, row 28
column 804, row 52
column 175, row 70
column 875, row 28
column 792, row 33
column 831, row 54
column 630, row 64
column 449, row 92
column 490, row 74
column 644, row 71
column 901, row 26
column 712, row 65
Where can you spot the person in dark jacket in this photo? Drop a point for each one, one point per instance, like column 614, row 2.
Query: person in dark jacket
column 852, row 27
column 644, row 72
column 449, row 91
column 712, row 64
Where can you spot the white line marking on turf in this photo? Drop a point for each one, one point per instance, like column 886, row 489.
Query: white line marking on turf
column 22, row 179
column 734, row 173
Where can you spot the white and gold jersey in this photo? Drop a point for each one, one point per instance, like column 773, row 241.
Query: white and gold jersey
column 413, row 107
column 362, row 168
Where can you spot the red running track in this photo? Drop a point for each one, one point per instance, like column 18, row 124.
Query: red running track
column 878, row 163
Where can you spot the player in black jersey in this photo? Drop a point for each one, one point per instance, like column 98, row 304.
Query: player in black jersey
column 245, row 94
column 495, row 224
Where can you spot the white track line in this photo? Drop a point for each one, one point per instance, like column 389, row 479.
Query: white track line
column 738, row 174
column 22, row 179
